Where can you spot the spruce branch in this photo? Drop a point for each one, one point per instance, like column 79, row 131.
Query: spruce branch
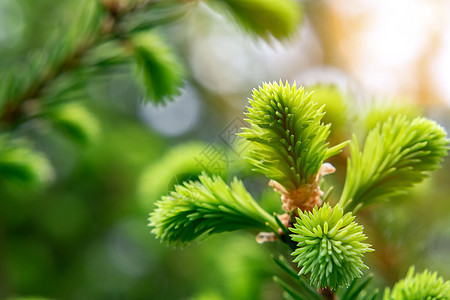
column 397, row 154
column 74, row 120
column 208, row 206
column 330, row 246
column 287, row 134
column 425, row 285
column 288, row 139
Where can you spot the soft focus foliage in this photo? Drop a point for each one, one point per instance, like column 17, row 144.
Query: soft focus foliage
column 20, row 166
column 330, row 246
column 74, row 120
column 177, row 165
column 397, row 154
column 199, row 209
column 181, row 163
column 157, row 66
column 425, row 285
column 336, row 103
column 264, row 17
column 287, row 135
column 379, row 111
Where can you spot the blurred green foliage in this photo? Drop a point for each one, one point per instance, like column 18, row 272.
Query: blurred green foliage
column 160, row 70
column 20, row 167
column 264, row 17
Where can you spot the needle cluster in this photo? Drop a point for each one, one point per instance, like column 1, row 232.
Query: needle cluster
column 201, row 208
column 425, row 285
column 288, row 138
column 330, row 246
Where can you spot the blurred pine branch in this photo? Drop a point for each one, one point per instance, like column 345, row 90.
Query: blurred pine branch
column 48, row 87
